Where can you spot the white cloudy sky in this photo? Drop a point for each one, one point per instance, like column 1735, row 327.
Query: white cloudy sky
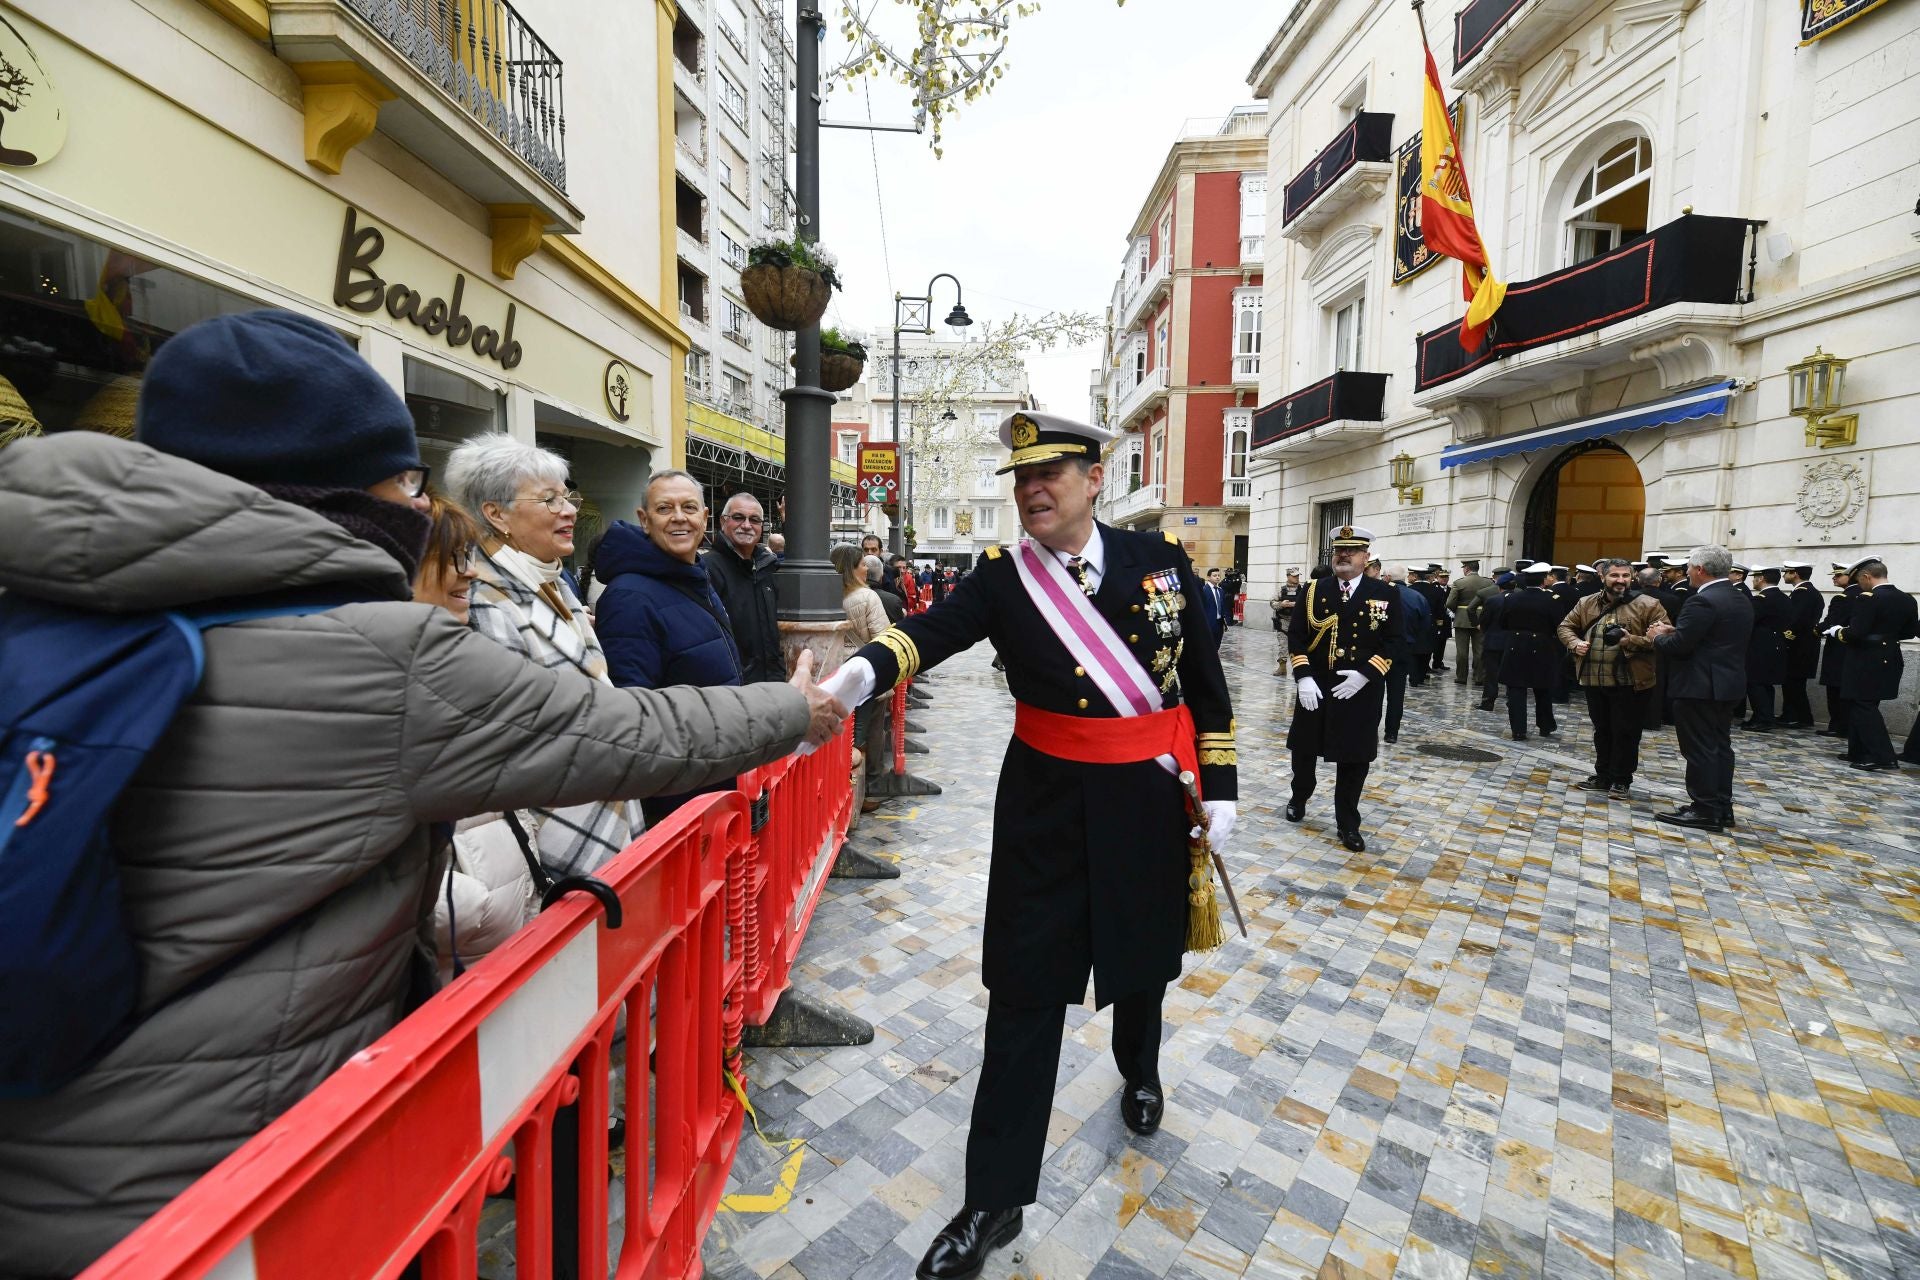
column 1030, row 205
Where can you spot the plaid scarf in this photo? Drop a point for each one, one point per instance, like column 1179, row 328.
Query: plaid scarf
column 577, row 839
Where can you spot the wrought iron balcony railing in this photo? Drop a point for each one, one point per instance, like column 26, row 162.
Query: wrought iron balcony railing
column 486, row 57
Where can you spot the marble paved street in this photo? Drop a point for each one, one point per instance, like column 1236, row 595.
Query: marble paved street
column 1530, row 1032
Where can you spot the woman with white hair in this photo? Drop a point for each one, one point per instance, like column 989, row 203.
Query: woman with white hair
column 520, row 599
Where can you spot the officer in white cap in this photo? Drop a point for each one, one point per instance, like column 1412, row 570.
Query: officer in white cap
column 1803, row 643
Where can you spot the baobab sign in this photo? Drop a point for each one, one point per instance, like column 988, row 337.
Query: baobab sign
column 33, row 121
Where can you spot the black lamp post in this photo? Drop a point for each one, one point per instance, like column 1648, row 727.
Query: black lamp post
column 915, row 315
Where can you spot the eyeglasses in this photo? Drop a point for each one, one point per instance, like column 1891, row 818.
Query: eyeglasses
column 414, row 481
column 556, row 502
column 737, row 518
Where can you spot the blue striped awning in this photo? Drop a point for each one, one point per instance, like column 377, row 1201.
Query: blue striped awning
column 1700, row 402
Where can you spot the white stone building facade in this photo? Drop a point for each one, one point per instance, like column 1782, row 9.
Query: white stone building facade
column 1684, row 199
column 950, row 444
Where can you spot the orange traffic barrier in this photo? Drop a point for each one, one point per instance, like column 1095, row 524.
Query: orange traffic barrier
column 393, row 1156
column 801, row 808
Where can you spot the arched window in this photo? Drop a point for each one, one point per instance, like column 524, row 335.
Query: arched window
column 1610, row 202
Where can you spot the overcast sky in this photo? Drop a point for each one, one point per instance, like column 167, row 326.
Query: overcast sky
column 1031, row 203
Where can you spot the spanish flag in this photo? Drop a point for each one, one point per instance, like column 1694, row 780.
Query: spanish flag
column 1446, row 212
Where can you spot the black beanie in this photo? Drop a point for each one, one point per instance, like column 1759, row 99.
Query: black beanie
column 271, row 397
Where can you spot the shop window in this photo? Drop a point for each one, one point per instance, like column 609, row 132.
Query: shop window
column 448, row 409
column 1610, row 203
column 81, row 321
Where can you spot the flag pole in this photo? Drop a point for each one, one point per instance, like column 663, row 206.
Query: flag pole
column 1421, row 18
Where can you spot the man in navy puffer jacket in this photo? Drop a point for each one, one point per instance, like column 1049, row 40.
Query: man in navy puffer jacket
column 659, row 620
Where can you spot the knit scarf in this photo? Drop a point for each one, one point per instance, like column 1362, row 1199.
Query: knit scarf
column 399, row 531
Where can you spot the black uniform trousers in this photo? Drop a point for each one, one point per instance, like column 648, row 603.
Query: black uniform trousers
column 1867, row 739
column 1542, row 710
column 1396, row 697
column 1838, row 710
column 1014, row 1101
column 1794, row 707
column 1490, row 680
column 1760, row 699
column 1349, row 780
column 1705, row 730
column 1619, row 713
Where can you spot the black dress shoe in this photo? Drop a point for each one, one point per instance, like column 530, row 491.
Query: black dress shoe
column 1831, row 733
column 961, row 1248
column 1141, row 1106
column 1757, row 728
column 1392, row 737
column 1594, row 783
column 1354, row 841
column 1296, row 810
column 1693, row 817
column 1870, row 766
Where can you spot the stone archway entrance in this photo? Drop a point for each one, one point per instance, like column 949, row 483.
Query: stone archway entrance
column 1590, row 502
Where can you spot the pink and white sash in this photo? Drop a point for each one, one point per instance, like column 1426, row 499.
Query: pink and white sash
column 1087, row 635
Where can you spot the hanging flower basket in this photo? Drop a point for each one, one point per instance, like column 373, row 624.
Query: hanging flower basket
column 787, row 283
column 841, row 361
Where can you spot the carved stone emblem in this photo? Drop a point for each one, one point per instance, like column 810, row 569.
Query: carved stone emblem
column 1833, row 493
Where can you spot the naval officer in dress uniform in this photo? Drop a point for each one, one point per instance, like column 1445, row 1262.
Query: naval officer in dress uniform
column 1341, row 643
column 1112, row 667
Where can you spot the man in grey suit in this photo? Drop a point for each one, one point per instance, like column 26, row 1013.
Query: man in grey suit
column 1706, row 653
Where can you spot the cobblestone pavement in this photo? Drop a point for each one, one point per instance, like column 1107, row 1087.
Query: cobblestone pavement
column 1529, row 1032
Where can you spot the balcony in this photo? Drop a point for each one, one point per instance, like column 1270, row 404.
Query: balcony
column 1236, row 493
column 1246, row 368
column 692, row 320
column 1356, row 166
column 1333, row 413
column 690, row 163
column 1503, row 36
column 1146, row 291
column 691, row 84
column 1668, row 297
column 1147, row 500
column 1253, row 251
column 691, row 248
column 1141, row 397
column 469, row 88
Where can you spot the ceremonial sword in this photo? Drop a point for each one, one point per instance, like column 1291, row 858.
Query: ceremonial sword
column 1199, row 814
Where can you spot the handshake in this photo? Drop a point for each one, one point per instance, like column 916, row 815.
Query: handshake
column 825, row 712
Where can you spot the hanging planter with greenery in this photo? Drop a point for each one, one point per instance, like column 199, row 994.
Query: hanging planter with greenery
column 787, row 283
column 842, row 361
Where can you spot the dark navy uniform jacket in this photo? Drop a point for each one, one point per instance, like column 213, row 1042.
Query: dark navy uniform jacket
column 1879, row 621
column 1803, row 632
column 1327, row 637
column 1089, row 861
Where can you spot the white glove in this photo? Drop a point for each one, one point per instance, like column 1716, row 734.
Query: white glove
column 1309, row 693
column 1351, row 682
column 852, row 684
column 1831, row 632
column 1221, row 817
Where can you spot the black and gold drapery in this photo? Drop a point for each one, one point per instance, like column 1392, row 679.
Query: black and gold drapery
column 1820, row 18
column 1411, row 255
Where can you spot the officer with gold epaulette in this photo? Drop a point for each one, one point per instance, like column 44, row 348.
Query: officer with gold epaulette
column 1113, row 671
column 1341, row 645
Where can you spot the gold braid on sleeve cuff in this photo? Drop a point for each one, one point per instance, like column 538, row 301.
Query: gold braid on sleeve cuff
column 905, row 652
column 1299, row 660
column 1380, row 664
column 1217, row 748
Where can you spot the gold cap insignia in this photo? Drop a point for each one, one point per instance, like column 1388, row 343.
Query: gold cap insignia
column 1025, row 434
column 1346, row 531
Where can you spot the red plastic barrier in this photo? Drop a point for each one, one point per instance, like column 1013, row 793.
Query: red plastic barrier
column 392, row 1157
column 801, row 806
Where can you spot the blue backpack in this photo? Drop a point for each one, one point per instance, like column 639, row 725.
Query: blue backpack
column 83, row 698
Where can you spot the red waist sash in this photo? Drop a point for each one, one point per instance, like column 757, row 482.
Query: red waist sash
column 1110, row 739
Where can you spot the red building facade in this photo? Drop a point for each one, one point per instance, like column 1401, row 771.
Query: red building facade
column 1182, row 372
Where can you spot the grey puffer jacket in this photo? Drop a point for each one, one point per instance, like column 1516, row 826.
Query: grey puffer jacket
column 275, row 857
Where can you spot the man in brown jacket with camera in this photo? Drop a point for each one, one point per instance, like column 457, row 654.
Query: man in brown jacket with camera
column 1607, row 635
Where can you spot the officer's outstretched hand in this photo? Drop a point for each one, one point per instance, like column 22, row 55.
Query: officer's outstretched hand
column 824, row 711
column 1350, row 683
column 1309, row 693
